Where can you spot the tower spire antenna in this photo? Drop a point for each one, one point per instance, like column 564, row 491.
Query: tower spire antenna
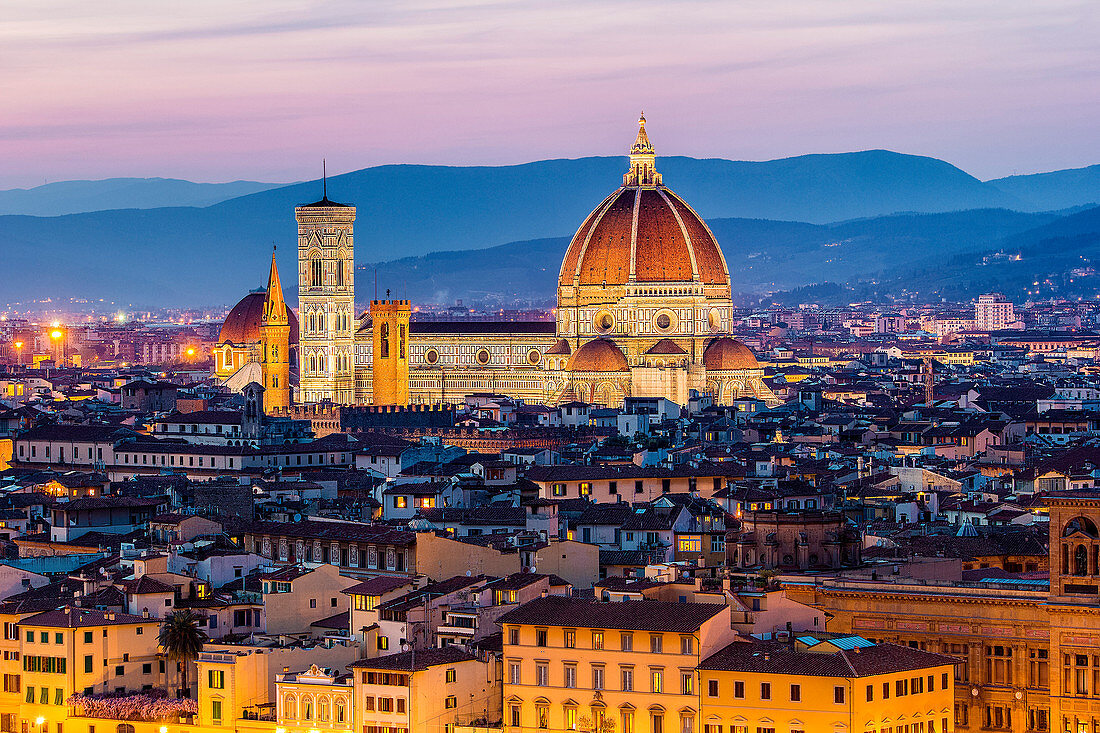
column 324, row 180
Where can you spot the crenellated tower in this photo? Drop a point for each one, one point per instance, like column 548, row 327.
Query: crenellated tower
column 326, row 301
column 390, row 366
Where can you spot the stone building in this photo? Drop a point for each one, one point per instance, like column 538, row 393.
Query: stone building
column 644, row 309
column 1028, row 650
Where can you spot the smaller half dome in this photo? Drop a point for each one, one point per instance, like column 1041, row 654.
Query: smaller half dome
column 598, row 355
column 727, row 353
column 242, row 325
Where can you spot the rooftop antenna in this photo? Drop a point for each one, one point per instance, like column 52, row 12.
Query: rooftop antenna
column 324, row 180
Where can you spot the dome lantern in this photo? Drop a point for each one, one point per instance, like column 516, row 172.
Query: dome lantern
column 643, row 160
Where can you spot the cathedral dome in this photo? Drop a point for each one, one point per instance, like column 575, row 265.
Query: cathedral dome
column 242, row 325
column 726, row 353
column 643, row 233
column 598, row 355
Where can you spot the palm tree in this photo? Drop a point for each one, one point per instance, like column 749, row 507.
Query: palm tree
column 182, row 640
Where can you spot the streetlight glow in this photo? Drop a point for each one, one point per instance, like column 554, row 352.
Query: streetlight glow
column 55, row 335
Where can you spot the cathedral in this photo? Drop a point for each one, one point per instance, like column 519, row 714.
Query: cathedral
column 643, row 310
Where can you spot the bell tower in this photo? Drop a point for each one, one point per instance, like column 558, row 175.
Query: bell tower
column 390, row 363
column 326, row 301
column 275, row 345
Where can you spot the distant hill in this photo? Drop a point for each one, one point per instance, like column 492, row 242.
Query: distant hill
column 1055, row 190
column 1059, row 258
column 191, row 255
column 761, row 254
column 74, row 197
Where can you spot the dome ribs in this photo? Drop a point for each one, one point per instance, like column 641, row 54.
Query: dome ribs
column 662, row 250
column 708, row 255
column 606, row 259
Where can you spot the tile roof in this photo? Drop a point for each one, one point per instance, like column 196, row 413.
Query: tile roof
column 783, row 658
column 627, row 615
column 72, row 618
column 376, row 586
column 415, row 661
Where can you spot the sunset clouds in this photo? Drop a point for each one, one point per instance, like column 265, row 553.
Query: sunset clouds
column 263, row 89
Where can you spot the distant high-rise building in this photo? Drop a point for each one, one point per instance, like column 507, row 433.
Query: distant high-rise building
column 993, row 312
column 326, row 301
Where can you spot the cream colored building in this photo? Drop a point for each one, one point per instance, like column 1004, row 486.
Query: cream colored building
column 296, row 596
column 428, row 691
column 644, row 309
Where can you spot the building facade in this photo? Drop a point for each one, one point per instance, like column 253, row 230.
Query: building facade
column 1029, row 652
column 644, row 309
column 326, row 301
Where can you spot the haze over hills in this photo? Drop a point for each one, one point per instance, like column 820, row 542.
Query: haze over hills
column 776, row 237
column 1054, row 190
column 761, row 254
column 74, row 197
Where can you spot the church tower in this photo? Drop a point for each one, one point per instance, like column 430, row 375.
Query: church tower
column 390, row 365
column 275, row 345
column 326, row 301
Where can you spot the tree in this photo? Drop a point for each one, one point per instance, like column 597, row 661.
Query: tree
column 182, row 641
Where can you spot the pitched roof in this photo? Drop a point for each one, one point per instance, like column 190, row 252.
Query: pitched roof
column 782, row 658
column 415, row 661
column 628, row 615
column 376, row 586
column 73, row 618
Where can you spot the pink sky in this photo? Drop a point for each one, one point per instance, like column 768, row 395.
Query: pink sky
column 262, row 89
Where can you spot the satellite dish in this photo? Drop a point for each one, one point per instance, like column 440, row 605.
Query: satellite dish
column 405, row 647
column 468, row 573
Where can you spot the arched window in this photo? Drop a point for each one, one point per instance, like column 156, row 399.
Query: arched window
column 401, row 341
column 322, row 709
column 307, row 709
column 339, row 711
column 316, row 272
column 124, row 728
column 1081, row 561
column 340, row 271
column 385, row 345
column 1082, row 525
column 290, row 706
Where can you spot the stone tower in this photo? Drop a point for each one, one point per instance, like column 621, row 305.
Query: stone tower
column 275, row 345
column 326, row 301
column 390, row 366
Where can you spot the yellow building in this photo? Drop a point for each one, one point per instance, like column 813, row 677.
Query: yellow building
column 574, row 664
column 51, row 655
column 842, row 685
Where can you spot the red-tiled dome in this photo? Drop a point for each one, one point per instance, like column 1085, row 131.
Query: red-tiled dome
column 643, row 233
column 242, row 325
column 670, row 243
column 727, row 353
column 598, row 355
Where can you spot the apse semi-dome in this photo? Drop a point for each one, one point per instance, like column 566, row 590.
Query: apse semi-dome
column 643, row 233
column 242, row 325
column 598, row 355
column 727, row 353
